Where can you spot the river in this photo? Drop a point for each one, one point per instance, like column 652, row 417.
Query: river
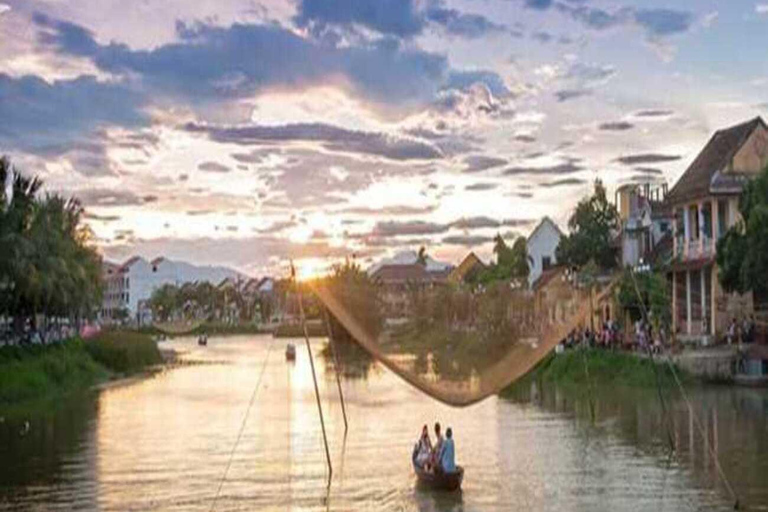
column 164, row 443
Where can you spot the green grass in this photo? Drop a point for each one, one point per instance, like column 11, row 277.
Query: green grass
column 32, row 372
column 124, row 351
column 581, row 369
column 39, row 372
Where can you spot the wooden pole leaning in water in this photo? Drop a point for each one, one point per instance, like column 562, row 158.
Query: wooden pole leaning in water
column 314, row 376
column 332, row 344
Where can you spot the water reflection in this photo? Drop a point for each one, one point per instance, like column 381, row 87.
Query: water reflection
column 163, row 444
column 734, row 430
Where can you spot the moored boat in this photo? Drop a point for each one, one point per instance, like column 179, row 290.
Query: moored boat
column 202, row 340
column 436, row 479
column 290, row 352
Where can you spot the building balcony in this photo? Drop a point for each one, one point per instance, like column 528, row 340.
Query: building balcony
column 692, row 250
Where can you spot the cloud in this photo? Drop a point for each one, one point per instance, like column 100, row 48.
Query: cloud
column 564, row 168
column 100, row 218
column 525, row 138
column 49, row 117
column 467, row 240
column 4, row 8
column 331, row 137
column 655, row 22
column 542, row 36
column 477, row 163
column 415, row 227
column 538, row 4
column 590, row 74
column 474, row 187
column 571, row 94
column 761, row 8
column 210, row 63
column 565, row 182
column 649, row 170
column 647, row 158
column 653, row 113
column 277, row 226
column 213, row 167
column 463, row 80
column 399, row 18
column 108, row 197
column 664, row 22
column 390, row 210
column 468, row 223
column 617, row 126
column 470, row 26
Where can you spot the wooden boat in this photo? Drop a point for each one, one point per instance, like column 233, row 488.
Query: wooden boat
column 437, row 480
column 202, row 340
column 290, row 352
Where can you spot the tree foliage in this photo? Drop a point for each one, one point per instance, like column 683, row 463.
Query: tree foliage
column 592, row 227
column 47, row 264
column 742, row 253
column 511, row 262
column 645, row 291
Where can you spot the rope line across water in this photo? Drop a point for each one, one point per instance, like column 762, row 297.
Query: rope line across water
column 242, row 426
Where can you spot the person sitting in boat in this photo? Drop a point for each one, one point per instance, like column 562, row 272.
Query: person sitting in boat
column 448, row 455
column 437, row 450
column 424, row 450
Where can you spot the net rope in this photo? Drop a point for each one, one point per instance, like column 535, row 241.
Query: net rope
column 533, row 340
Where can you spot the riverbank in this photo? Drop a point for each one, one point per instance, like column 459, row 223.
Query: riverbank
column 582, row 369
column 34, row 373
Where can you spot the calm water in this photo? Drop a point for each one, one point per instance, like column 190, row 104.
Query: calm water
column 164, row 443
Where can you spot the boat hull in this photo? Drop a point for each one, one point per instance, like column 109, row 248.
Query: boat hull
column 438, row 480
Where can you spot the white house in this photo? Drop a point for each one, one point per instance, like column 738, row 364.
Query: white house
column 129, row 286
column 541, row 246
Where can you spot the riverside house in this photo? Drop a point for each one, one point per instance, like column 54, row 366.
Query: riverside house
column 705, row 204
column 541, row 246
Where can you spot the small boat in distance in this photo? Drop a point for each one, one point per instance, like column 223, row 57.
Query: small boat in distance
column 202, row 340
column 290, row 352
column 437, row 480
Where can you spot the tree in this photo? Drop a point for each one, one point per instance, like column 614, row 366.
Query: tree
column 511, row 263
column 592, row 225
column 645, row 291
column 421, row 259
column 47, row 263
column 742, row 253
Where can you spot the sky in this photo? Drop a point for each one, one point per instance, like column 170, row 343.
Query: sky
column 246, row 132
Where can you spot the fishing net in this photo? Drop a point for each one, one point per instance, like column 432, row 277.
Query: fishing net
column 459, row 342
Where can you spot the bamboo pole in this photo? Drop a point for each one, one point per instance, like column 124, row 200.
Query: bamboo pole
column 332, row 344
column 314, row 375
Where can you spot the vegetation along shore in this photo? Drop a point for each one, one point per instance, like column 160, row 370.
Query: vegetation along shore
column 588, row 369
column 29, row 373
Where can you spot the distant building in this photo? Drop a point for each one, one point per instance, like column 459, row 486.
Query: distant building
column 399, row 281
column 128, row 287
column 645, row 221
column 469, row 268
column 705, row 204
column 541, row 246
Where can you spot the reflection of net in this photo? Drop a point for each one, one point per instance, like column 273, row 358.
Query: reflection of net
column 461, row 346
column 179, row 327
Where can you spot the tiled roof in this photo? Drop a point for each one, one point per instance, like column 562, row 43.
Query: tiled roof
column 695, row 181
column 395, row 273
column 547, row 276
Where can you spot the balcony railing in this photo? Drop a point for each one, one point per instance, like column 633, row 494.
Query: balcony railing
column 687, row 250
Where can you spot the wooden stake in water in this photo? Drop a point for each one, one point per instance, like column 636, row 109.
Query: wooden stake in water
column 332, row 344
column 314, row 376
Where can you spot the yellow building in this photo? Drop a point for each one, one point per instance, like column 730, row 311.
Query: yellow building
column 705, row 204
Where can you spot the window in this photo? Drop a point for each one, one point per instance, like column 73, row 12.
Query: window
column 546, row 262
column 722, row 217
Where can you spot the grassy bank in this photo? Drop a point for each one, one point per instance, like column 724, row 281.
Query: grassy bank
column 580, row 369
column 37, row 372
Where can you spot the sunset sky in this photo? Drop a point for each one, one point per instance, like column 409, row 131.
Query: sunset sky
column 244, row 132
